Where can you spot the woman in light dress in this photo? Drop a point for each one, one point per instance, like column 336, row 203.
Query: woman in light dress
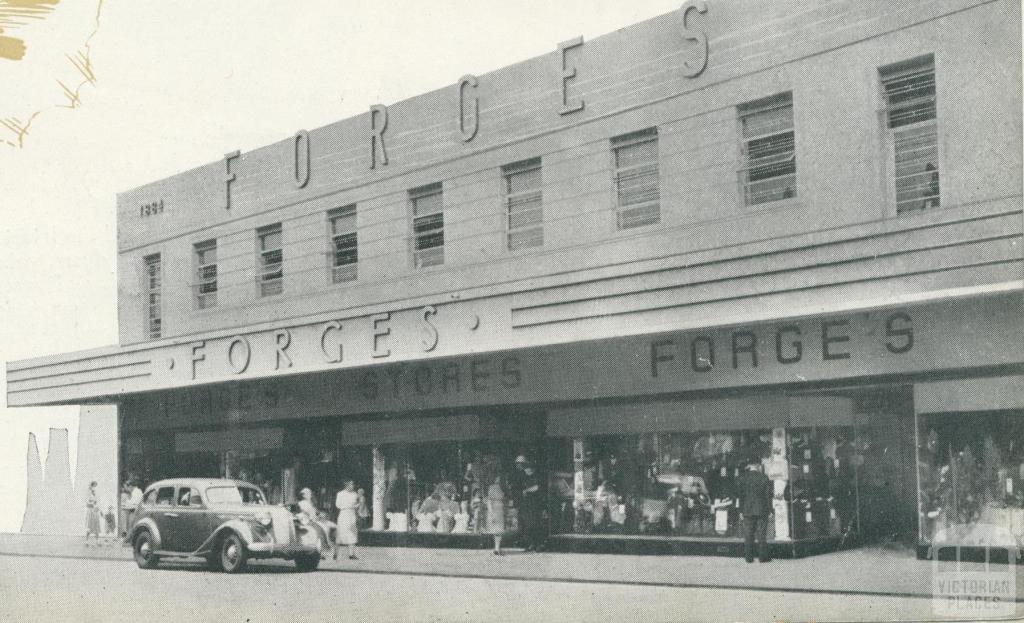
column 92, row 514
column 348, row 529
column 496, row 513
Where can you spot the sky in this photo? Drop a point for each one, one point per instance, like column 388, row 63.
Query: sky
column 179, row 84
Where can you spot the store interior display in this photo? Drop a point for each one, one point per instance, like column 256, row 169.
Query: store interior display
column 670, row 484
column 971, row 475
column 667, row 484
column 822, row 482
column 685, row 484
column 442, row 488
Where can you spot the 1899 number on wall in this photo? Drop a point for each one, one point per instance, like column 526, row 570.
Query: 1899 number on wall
column 151, row 209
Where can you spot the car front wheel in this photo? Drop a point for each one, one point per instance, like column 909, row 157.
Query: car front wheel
column 232, row 554
column 145, row 551
column 308, row 562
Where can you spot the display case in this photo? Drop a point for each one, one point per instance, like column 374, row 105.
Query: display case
column 971, row 478
column 443, row 487
column 823, row 485
column 686, row 484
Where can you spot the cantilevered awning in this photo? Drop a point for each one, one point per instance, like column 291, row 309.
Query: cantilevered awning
column 819, row 335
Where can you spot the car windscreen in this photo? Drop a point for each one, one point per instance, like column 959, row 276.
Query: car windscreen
column 233, row 495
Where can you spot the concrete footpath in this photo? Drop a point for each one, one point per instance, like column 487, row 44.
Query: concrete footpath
column 865, row 571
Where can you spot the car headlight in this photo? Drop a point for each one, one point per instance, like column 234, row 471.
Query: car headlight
column 265, row 520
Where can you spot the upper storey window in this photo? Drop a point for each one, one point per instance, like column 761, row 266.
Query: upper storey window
column 769, row 149
column 427, row 225
column 344, row 244
column 206, row 273
column 524, row 204
column 912, row 121
column 638, row 199
column 154, row 326
column 271, row 260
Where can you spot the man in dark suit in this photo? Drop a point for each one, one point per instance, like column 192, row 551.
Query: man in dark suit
column 755, row 491
column 531, row 510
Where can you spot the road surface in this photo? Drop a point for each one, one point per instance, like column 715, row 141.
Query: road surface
column 81, row 590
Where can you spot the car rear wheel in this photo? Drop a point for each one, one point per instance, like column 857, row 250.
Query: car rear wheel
column 308, row 562
column 232, row 554
column 145, row 551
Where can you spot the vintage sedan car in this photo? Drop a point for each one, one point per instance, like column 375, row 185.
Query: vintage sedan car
column 227, row 522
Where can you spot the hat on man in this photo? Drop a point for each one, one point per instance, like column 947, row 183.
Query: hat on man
column 521, row 459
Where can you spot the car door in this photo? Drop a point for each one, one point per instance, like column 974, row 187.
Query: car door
column 191, row 526
column 164, row 515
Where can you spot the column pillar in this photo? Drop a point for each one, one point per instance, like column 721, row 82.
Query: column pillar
column 379, row 485
column 578, row 485
column 778, row 471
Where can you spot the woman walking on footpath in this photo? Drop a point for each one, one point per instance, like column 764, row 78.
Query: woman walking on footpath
column 496, row 513
column 348, row 529
column 92, row 514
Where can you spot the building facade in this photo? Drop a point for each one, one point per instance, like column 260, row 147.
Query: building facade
column 763, row 232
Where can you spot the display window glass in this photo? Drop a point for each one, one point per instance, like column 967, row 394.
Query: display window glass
column 263, row 469
column 326, row 472
column 971, row 477
column 465, row 487
column 686, row 484
column 823, row 482
column 680, row 484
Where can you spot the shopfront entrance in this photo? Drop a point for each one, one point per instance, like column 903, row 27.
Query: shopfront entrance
column 435, row 476
column 640, row 440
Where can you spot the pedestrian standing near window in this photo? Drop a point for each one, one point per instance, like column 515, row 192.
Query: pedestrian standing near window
column 530, row 510
column 496, row 513
column 347, row 532
column 515, row 480
column 92, row 514
column 126, row 509
column 755, row 508
column 134, row 499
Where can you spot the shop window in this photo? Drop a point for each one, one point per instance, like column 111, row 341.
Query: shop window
column 427, row 225
column 271, row 260
column 263, row 468
column 769, row 150
column 671, row 484
column 524, row 204
column 971, row 477
column 911, row 120
column 687, row 484
column 154, row 320
column 344, row 244
column 467, row 487
column 822, row 487
column 330, row 465
column 206, row 273
column 638, row 198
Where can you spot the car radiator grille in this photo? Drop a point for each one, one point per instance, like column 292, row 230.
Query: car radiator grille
column 283, row 527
